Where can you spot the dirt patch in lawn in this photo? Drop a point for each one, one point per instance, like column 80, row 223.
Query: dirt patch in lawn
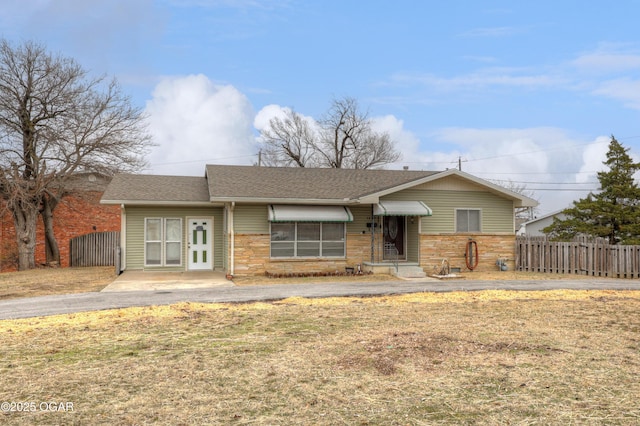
column 490, row 357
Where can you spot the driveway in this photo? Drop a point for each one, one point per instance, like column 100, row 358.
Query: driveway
column 54, row 305
column 159, row 281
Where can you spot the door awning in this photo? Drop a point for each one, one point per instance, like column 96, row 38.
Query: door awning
column 401, row 208
column 289, row 213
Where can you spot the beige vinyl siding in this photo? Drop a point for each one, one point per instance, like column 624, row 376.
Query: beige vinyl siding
column 251, row 219
column 413, row 241
column 135, row 233
column 361, row 215
column 496, row 212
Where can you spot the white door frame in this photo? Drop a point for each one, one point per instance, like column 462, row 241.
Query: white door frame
column 208, row 247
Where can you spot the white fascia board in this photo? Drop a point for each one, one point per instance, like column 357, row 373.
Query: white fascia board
column 162, row 203
column 314, row 201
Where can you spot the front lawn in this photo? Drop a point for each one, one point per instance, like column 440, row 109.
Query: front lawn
column 48, row 281
column 492, row 357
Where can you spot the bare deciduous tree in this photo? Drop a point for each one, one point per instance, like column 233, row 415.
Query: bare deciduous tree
column 344, row 138
column 289, row 141
column 56, row 121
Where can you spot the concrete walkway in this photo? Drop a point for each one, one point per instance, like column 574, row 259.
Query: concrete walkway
column 64, row 304
column 158, row 281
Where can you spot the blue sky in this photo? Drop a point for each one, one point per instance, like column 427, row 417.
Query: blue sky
column 520, row 92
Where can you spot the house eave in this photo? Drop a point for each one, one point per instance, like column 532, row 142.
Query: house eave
column 157, row 203
column 259, row 200
column 519, row 200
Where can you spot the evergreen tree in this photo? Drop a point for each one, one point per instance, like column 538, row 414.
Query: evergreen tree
column 613, row 212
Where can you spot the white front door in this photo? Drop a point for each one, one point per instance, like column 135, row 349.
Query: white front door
column 200, row 254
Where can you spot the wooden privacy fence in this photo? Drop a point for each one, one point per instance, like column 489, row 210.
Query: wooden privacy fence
column 582, row 256
column 96, row 249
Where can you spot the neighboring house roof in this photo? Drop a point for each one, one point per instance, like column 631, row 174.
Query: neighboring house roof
column 155, row 189
column 535, row 226
column 87, row 181
column 543, row 217
column 282, row 185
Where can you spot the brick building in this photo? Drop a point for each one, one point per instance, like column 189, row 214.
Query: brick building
column 77, row 214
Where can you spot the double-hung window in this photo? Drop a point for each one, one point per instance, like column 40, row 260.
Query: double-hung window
column 467, row 220
column 162, row 241
column 307, row 239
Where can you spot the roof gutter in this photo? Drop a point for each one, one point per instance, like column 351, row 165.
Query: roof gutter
column 314, row 201
column 163, row 203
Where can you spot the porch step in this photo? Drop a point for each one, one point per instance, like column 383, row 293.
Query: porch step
column 407, row 271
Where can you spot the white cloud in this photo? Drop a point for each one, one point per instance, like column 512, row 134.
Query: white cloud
column 608, row 58
column 543, row 159
column 196, row 122
column 592, row 159
column 405, row 141
column 488, row 77
column 268, row 112
column 622, row 89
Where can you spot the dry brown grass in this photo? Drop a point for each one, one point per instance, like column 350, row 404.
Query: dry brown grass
column 264, row 280
column 50, row 281
column 469, row 275
column 493, row 357
column 46, row 281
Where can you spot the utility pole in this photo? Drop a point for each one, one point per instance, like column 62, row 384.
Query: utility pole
column 460, row 160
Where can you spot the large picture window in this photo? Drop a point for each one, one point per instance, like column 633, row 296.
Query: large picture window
column 467, row 220
column 163, row 241
column 307, row 239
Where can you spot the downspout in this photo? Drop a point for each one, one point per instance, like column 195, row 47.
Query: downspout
column 123, row 239
column 373, row 238
column 233, row 239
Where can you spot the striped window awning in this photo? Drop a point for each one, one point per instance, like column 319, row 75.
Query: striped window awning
column 291, row 213
column 401, row 208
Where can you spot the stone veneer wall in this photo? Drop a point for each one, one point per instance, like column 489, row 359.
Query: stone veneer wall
column 252, row 254
column 252, row 257
column 435, row 247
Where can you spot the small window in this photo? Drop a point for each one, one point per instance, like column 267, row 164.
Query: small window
column 467, row 220
column 163, row 242
column 173, row 241
column 153, row 242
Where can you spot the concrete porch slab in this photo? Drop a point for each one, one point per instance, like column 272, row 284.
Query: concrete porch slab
column 154, row 281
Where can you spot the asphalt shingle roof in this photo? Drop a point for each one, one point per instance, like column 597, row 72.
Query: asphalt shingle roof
column 253, row 182
column 303, row 183
column 150, row 188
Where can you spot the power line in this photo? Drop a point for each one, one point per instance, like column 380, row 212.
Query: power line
column 536, row 173
column 202, row 160
column 544, row 183
column 522, row 153
column 563, row 189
